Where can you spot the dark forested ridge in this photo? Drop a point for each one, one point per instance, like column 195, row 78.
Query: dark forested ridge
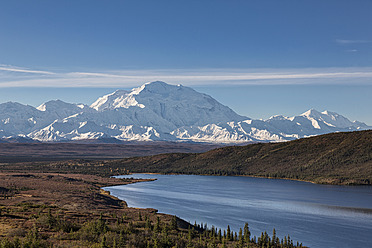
column 338, row 158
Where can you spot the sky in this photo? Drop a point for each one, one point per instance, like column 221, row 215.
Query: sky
column 260, row 58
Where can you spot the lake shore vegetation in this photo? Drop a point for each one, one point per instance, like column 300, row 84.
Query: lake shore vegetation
column 71, row 210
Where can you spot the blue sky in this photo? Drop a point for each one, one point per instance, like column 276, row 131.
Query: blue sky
column 258, row 57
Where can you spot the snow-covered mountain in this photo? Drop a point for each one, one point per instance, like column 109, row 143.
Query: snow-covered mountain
column 159, row 111
column 179, row 105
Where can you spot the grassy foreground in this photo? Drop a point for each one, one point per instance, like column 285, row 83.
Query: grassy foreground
column 71, row 210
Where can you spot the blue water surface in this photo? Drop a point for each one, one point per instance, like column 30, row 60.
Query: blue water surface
column 316, row 215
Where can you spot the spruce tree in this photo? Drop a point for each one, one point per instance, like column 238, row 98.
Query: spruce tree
column 247, row 233
column 273, row 240
column 285, row 244
column 241, row 240
column 228, row 232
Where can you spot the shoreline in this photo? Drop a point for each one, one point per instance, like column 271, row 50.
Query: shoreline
column 72, row 210
column 356, row 209
column 324, row 182
column 26, row 198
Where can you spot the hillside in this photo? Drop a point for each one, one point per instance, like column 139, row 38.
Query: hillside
column 339, row 158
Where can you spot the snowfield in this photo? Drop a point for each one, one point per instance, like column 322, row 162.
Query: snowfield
column 159, row 111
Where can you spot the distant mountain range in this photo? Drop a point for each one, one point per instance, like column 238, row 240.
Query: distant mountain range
column 159, row 111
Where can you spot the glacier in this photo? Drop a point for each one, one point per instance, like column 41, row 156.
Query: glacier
column 157, row 111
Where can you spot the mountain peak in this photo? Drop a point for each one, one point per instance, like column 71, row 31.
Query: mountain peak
column 48, row 104
column 332, row 119
column 157, row 84
column 125, row 99
column 156, row 87
column 176, row 104
column 311, row 113
column 113, row 100
column 59, row 105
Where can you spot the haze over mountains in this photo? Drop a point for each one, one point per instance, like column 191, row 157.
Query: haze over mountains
column 159, row 111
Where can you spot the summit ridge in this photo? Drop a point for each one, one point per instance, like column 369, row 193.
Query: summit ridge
column 160, row 111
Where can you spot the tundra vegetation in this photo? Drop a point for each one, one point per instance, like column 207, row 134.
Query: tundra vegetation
column 71, row 210
column 50, row 228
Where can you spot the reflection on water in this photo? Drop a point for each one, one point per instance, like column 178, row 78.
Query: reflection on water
column 317, row 215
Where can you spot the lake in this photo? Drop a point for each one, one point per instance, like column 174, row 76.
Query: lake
column 316, row 215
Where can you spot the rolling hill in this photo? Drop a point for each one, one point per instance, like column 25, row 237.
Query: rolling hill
column 338, row 158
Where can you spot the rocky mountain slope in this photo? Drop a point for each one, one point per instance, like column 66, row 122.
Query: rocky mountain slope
column 159, row 111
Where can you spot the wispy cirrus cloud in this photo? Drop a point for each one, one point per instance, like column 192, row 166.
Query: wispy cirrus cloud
column 23, row 70
column 132, row 78
column 347, row 42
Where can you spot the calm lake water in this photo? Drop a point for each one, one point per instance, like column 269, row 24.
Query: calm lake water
column 316, row 215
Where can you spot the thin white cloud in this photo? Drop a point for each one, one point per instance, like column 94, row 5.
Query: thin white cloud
column 231, row 76
column 94, row 74
column 346, row 42
column 206, row 77
column 24, row 70
column 127, row 79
